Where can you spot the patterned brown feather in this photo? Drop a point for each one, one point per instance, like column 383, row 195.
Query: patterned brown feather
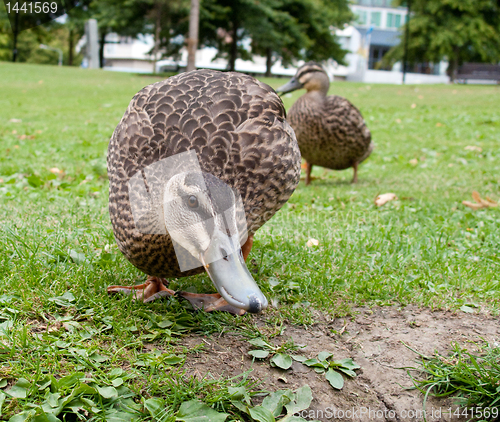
column 331, row 131
column 237, row 127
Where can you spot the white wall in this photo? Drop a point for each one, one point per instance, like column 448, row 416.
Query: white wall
column 395, row 77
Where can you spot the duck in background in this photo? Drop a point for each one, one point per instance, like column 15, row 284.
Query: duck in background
column 331, row 132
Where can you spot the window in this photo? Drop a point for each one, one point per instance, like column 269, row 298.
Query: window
column 362, row 17
column 375, row 18
column 393, row 20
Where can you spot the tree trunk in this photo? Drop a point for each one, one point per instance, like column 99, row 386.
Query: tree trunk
column 156, row 48
column 453, row 64
column 233, row 52
column 269, row 62
column 101, row 48
column 192, row 41
column 71, row 46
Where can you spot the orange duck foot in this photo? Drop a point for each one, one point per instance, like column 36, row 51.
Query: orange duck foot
column 154, row 288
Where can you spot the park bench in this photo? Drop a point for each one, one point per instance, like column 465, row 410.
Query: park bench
column 478, row 71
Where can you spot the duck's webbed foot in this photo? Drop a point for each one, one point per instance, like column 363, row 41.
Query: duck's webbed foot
column 153, row 288
column 355, row 174
column 210, row 302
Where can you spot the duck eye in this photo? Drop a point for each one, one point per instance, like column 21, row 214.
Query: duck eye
column 192, row 201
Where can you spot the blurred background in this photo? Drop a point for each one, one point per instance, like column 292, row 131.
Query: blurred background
column 387, row 41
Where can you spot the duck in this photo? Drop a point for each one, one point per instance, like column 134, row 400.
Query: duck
column 331, row 131
column 197, row 164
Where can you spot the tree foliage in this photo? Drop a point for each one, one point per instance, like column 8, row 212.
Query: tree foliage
column 457, row 30
column 289, row 30
column 278, row 29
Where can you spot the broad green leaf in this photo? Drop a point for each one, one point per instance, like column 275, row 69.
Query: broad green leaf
column 53, row 399
column 107, row 392
column 24, row 416
column 120, row 416
column 65, row 300
column 261, row 414
column 70, row 380
column 77, row 257
column 281, row 360
column 259, row 342
column 116, row 372
column 3, row 383
column 164, row 323
column 96, row 357
column 274, row 402
column 293, row 418
column 20, row 389
column 117, row 382
column 324, row 355
column 48, row 417
column 240, row 406
column 2, row 400
column 347, row 363
column 259, row 354
column 335, row 379
column 5, row 327
column 302, row 401
column 7, row 298
column 173, row 360
column 35, row 181
column 299, row 358
column 348, row 372
column 315, row 362
column 196, row 411
column 154, row 406
column 319, row 370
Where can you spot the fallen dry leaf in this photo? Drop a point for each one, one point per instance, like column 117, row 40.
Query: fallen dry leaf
column 15, row 120
column 420, row 97
column 413, row 161
column 384, row 198
column 55, row 170
column 312, row 242
column 473, row 148
column 398, row 120
column 480, row 202
column 413, row 105
column 439, row 124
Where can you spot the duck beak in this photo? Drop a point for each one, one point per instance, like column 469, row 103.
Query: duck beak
column 230, row 274
column 292, row 85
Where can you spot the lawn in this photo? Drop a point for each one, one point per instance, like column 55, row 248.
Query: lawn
column 66, row 345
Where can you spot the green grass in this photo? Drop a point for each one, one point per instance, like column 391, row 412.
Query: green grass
column 57, row 251
column 472, row 378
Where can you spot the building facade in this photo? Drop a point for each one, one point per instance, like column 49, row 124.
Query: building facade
column 376, row 29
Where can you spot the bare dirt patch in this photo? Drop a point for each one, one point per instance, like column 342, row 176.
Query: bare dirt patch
column 374, row 339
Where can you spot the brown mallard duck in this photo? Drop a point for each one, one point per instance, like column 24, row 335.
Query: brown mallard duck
column 331, row 132
column 236, row 127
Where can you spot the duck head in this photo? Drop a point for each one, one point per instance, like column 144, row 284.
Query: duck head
column 201, row 215
column 310, row 76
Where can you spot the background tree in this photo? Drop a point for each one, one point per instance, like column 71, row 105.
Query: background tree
column 457, row 30
column 301, row 29
column 126, row 18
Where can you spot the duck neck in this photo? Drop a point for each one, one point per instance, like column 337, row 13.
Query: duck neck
column 319, row 85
